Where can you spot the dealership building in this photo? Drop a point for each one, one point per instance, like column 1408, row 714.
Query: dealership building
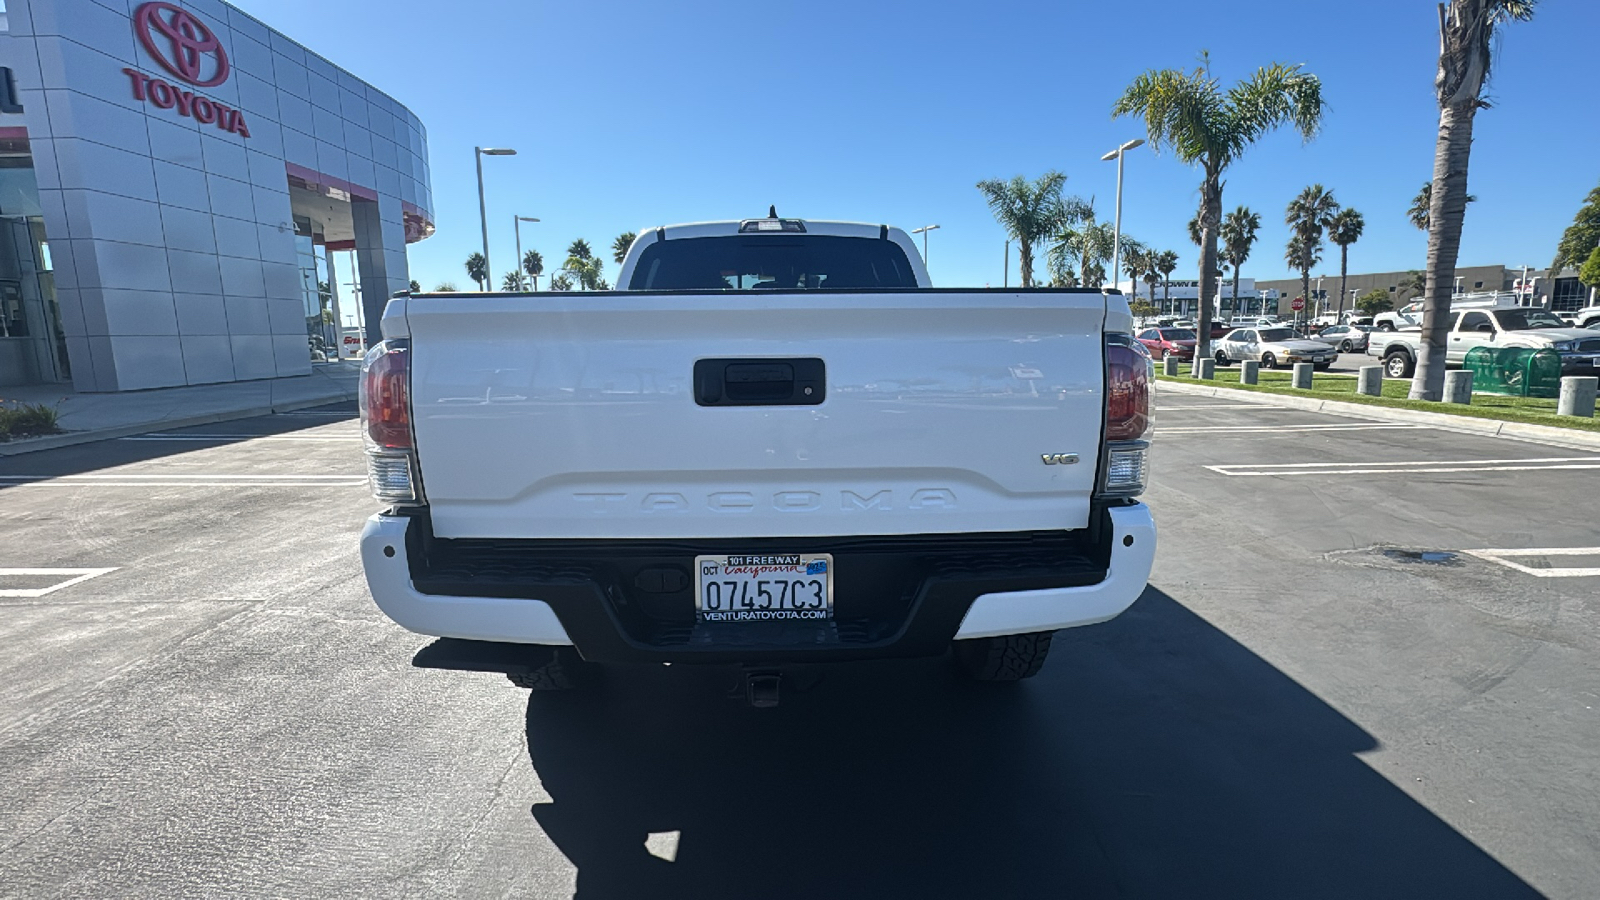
column 188, row 197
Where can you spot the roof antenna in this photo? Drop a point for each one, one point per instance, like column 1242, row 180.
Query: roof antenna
column 772, row 211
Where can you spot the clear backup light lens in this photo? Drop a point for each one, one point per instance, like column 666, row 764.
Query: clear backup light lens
column 1125, row 472
column 390, row 477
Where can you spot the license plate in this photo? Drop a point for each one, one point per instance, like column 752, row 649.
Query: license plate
column 762, row 588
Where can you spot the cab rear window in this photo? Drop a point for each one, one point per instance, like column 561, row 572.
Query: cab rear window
column 772, row 262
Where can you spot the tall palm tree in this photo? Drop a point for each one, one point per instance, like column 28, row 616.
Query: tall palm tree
column 1031, row 212
column 1152, row 275
column 1303, row 255
column 1091, row 243
column 533, row 266
column 511, row 281
column 1307, row 216
column 619, row 247
column 561, row 283
column 1422, row 203
column 580, row 249
column 1466, row 32
column 1166, row 262
column 1190, row 114
column 1197, row 235
column 1134, row 265
column 478, row 269
column 1238, row 235
column 1344, row 230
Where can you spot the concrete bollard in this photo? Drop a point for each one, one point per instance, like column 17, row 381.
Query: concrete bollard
column 1458, row 386
column 1169, row 365
column 1577, row 396
column 1249, row 372
column 1205, row 369
column 1369, row 381
column 1302, row 376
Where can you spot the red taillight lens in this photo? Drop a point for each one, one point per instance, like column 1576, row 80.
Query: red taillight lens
column 1127, row 393
column 385, row 407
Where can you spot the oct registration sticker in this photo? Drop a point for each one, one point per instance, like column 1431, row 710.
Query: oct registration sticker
column 764, row 588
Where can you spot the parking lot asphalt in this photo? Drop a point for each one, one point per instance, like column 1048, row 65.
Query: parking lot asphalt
column 1321, row 694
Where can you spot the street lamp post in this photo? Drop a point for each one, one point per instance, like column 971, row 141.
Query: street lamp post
column 516, row 225
column 1116, row 239
column 924, row 232
column 478, row 153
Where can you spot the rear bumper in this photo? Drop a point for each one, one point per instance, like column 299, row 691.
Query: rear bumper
column 916, row 594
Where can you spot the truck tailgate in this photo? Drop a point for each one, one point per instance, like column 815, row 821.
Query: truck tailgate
column 578, row 415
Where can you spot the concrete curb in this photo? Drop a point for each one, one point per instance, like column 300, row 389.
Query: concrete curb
column 72, row 438
column 1519, row 431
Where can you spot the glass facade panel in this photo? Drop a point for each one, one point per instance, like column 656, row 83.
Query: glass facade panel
column 322, row 333
column 32, row 345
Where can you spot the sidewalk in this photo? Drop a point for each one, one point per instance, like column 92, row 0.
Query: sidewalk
column 98, row 417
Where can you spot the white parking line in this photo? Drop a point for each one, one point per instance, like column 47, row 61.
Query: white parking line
column 229, row 438
column 1409, row 467
column 75, row 576
column 1274, row 429
column 1245, row 406
column 1497, row 556
column 182, row 480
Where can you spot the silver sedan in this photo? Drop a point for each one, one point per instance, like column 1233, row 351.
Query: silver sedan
column 1273, row 347
column 1347, row 338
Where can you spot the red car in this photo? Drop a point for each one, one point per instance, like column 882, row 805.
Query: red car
column 1164, row 342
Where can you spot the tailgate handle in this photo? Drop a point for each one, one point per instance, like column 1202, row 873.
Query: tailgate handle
column 759, row 382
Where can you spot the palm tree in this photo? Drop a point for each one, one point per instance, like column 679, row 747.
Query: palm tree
column 1197, row 235
column 478, row 269
column 619, row 247
column 1344, row 230
column 1415, row 282
column 1302, row 255
column 561, row 283
column 1166, row 262
column 1466, row 31
column 1307, row 216
column 445, row 287
column 585, row 271
column 1091, row 243
column 1238, row 235
column 416, row 286
column 1031, row 211
column 580, row 249
column 1422, row 202
column 511, row 281
column 533, row 266
column 1134, row 265
column 1190, row 114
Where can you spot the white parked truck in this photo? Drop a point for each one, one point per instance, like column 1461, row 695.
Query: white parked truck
column 1534, row 329
column 776, row 444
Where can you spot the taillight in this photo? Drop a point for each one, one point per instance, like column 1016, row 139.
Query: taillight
column 385, row 405
column 385, row 410
column 1129, row 374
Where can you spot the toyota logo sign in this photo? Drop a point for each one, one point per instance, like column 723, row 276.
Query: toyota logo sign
column 181, row 43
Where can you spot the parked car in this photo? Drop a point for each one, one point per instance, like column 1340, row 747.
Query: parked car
column 1588, row 317
column 745, row 475
column 1535, row 329
column 1164, row 342
column 1272, row 347
column 1347, row 338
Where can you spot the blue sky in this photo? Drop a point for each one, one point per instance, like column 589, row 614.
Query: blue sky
column 636, row 114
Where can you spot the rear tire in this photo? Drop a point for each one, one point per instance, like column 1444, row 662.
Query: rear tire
column 1344, row 347
column 1398, row 364
column 1010, row 657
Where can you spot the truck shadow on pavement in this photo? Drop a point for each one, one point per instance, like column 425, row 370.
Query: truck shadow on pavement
column 1154, row 757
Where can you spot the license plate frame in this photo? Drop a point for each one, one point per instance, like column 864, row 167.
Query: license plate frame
column 745, row 571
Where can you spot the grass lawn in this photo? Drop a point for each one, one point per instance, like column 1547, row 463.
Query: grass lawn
column 1533, row 410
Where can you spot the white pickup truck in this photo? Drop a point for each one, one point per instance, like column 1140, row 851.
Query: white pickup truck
column 1535, row 329
column 775, row 445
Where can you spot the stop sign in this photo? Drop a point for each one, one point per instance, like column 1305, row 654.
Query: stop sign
column 1298, row 304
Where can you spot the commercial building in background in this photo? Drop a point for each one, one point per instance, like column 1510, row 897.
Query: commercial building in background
column 175, row 178
column 1560, row 293
column 1182, row 298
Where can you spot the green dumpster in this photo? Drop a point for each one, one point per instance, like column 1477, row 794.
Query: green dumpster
column 1515, row 371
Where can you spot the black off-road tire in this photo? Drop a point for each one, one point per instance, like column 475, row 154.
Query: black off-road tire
column 553, row 669
column 1011, row 657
